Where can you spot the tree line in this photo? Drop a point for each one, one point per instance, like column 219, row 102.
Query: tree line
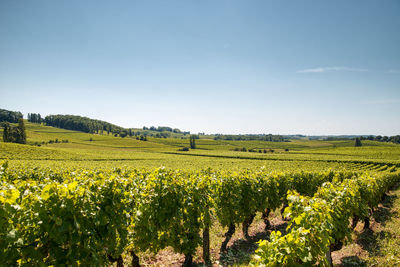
column 165, row 129
column 249, row 137
column 87, row 125
column 379, row 138
column 82, row 124
column 35, row 118
column 394, row 139
column 10, row 116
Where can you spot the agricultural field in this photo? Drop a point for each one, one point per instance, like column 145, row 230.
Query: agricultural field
column 93, row 150
column 150, row 203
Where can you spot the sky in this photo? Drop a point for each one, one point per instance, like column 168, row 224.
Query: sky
column 216, row 66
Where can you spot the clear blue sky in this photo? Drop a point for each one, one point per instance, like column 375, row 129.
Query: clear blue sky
column 283, row 67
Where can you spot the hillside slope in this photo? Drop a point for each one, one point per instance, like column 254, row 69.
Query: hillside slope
column 50, row 143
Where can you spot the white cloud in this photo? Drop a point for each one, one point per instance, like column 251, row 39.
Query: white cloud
column 381, row 101
column 394, row 71
column 331, row 69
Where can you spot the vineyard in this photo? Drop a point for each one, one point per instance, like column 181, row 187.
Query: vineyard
column 80, row 217
column 99, row 200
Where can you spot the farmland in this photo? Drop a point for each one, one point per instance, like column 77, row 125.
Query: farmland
column 86, row 150
column 107, row 200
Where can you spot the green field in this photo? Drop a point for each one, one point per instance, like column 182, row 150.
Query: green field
column 93, row 150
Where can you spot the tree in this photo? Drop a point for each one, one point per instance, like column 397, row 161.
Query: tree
column 6, row 132
column 14, row 134
column 35, row 118
column 358, row 142
column 21, row 137
column 192, row 142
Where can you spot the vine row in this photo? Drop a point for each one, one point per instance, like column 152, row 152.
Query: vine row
column 81, row 217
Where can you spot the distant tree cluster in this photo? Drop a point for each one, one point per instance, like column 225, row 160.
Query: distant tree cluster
column 14, row 134
column 243, row 149
column 56, row 141
column 35, row 118
column 164, row 129
column 87, row 125
column 141, row 138
column 254, row 150
column 156, row 135
column 247, row 137
column 161, row 135
column 394, row 139
column 82, row 124
column 128, row 132
column 10, row 116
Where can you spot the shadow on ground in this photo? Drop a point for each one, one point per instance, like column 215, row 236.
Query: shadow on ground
column 369, row 238
column 384, row 211
column 241, row 251
column 352, row 261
